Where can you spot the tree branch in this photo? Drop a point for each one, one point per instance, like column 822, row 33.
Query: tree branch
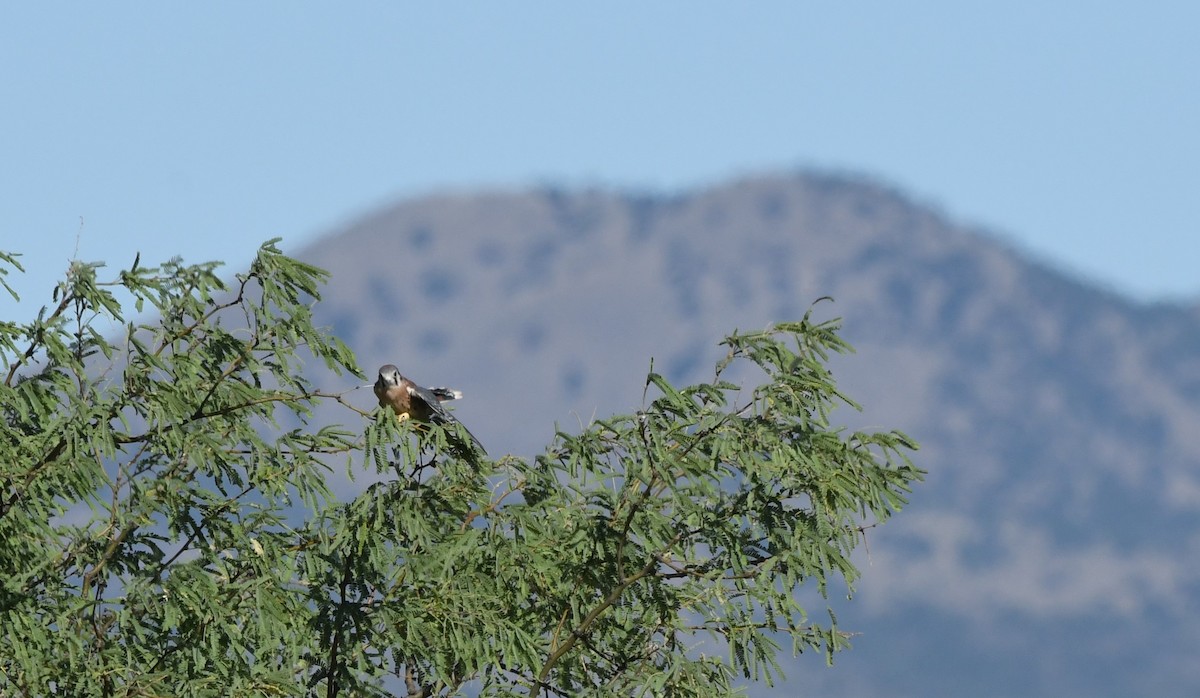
column 586, row 624
column 331, row 683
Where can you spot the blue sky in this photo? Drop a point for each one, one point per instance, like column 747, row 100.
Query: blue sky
column 1068, row 128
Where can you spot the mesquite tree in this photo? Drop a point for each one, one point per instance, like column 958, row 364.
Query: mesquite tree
column 167, row 525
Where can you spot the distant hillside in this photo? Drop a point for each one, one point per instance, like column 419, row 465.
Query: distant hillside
column 1056, row 546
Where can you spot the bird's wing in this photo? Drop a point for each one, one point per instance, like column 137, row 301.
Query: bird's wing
column 437, row 413
column 444, row 394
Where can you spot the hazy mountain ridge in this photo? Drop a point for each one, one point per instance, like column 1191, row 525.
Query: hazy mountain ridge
column 1057, row 419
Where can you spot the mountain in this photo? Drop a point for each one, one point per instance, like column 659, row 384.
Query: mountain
column 1055, row 547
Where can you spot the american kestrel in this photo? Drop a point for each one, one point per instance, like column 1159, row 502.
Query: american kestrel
column 411, row 401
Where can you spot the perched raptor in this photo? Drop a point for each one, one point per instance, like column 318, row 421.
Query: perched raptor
column 410, row 401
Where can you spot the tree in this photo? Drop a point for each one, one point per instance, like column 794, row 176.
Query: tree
column 167, row 526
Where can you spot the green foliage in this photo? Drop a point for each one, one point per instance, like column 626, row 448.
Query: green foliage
column 166, row 528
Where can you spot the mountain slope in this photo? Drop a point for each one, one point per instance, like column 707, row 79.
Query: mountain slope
column 1054, row 547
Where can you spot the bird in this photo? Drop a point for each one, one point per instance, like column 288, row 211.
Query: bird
column 411, row 401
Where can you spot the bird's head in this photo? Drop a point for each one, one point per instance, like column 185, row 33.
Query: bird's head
column 389, row 377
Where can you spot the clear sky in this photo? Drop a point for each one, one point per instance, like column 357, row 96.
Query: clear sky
column 1069, row 128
